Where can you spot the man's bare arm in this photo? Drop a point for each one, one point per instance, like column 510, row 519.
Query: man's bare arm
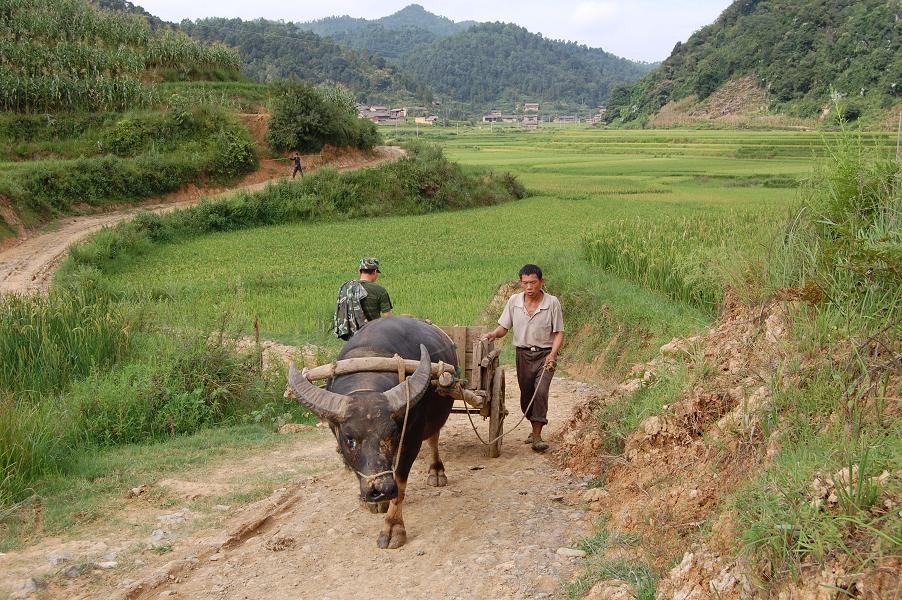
column 556, row 344
column 497, row 334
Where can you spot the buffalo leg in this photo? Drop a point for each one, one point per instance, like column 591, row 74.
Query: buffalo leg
column 393, row 534
column 437, row 476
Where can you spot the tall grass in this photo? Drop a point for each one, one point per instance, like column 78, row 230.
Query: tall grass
column 841, row 252
column 691, row 259
column 70, row 55
column 845, row 241
column 47, row 341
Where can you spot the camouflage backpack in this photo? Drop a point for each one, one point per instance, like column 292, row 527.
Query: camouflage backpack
column 349, row 315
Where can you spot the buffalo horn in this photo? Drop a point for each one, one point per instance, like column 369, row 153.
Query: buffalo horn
column 416, row 383
column 325, row 404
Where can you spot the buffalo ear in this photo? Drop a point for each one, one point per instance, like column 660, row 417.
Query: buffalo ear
column 326, row 405
column 412, row 388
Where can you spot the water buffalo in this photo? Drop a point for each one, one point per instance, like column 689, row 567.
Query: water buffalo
column 366, row 412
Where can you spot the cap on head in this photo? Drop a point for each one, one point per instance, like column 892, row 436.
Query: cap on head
column 369, row 264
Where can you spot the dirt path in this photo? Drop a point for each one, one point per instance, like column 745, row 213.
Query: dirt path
column 494, row 532
column 29, row 265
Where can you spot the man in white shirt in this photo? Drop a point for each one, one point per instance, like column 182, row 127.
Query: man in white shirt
column 538, row 323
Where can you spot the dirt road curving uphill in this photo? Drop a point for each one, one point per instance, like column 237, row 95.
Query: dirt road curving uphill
column 494, row 532
column 29, row 265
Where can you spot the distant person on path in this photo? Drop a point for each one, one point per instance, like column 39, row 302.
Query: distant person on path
column 296, row 159
column 538, row 323
column 360, row 301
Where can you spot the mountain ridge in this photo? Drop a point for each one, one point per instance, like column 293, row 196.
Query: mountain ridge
column 804, row 54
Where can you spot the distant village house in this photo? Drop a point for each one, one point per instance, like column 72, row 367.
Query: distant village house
column 531, row 107
column 430, row 120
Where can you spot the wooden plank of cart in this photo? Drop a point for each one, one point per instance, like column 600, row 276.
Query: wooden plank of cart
column 479, row 364
column 477, row 386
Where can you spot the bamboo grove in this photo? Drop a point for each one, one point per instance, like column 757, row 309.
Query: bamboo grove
column 68, row 55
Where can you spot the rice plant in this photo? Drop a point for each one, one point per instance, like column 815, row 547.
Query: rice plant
column 46, row 341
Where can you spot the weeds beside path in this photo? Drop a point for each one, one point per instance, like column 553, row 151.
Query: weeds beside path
column 29, row 265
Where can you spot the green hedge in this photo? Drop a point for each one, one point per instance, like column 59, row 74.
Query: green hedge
column 139, row 156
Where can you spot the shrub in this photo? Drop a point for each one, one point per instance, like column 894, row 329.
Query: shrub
column 189, row 385
column 306, row 119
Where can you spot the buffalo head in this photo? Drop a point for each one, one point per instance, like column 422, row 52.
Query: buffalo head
column 367, row 424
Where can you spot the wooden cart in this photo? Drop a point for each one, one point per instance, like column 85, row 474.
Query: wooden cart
column 477, row 385
column 478, row 360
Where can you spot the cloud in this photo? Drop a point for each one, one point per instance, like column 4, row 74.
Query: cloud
column 594, row 12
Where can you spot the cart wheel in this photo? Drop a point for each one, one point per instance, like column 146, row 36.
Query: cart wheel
column 496, row 413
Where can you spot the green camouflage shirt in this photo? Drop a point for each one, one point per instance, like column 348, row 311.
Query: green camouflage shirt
column 376, row 301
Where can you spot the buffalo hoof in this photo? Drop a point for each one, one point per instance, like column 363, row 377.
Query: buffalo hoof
column 396, row 538
column 437, row 479
column 377, row 507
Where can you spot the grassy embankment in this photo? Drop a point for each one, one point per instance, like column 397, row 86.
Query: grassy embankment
column 86, row 370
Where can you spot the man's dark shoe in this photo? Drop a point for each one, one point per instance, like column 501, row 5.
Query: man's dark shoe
column 539, row 446
column 528, row 439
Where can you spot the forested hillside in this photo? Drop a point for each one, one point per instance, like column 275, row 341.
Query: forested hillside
column 499, row 61
column 800, row 51
column 413, row 16
column 273, row 50
column 391, row 44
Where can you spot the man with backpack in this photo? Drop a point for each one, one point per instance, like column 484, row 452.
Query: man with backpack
column 360, row 301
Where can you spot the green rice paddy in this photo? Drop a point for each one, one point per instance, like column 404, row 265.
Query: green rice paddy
column 734, row 188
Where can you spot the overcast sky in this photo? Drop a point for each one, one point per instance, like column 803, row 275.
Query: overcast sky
column 637, row 29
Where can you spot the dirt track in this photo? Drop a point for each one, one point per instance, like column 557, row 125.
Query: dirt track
column 493, row 532
column 29, row 265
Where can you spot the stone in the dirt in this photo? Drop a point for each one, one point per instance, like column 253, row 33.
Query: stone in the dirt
column 611, row 589
column 76, row 570
column 222, row 508
column 28, row 587
column 107, row 564
column 57, row 558
column 176, row 517
column 675, row 347
column 136, row 491
column 279, row 542
column 595, row 494
column 168, row 594
column 216, row 557
column 571, row 552
column 158, row 539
